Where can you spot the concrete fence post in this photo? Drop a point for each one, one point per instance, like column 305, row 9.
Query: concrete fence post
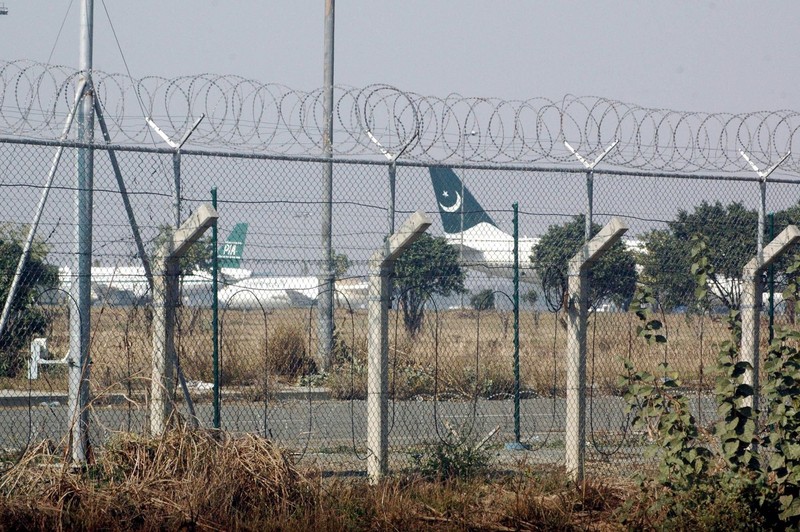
column 165, row 295
column 381, row 267
column 750, row 305
column 577, row 307
column 165, row 301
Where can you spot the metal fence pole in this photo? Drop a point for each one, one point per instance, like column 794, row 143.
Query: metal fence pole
column 589, row 165
column 516, row 324
column 80, row 312
column 176, row 190
column 517, row 444
column 771, row 282
column 325, row 305
column 215, row 312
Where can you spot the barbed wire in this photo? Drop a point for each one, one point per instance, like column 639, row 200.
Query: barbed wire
column 247, row 115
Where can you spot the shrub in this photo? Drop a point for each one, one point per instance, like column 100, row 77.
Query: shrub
column 287, row 352
column 454, row 456
column 483, row 300
column 26, row 320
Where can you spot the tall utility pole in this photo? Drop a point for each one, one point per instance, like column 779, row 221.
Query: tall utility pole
column 325, row 304
column 81, row 301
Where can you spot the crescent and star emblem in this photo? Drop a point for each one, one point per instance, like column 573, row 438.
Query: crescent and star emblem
column 455, row 206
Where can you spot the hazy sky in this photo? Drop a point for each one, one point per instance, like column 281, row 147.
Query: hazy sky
column 728, row 56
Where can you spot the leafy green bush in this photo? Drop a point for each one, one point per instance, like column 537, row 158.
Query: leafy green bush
column 750, row 479
column 26, row 320
column 483, row 300
column 454, row 456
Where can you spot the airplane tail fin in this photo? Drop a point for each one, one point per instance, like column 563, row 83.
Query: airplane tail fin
column 457, row 207
column 230, row 252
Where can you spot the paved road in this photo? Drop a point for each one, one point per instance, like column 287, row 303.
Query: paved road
column 325, row 426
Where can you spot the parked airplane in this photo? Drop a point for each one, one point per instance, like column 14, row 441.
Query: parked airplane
column 127, row 285
column 285, row 292
column 269, row 293
column 482, row 245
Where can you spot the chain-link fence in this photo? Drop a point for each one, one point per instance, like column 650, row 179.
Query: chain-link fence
column 467, row 358
column 461, row 369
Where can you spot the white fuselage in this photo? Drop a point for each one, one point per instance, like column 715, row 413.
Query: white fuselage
column 269, row 293
column 285, row 292
column 488, row 249
column 128, row 285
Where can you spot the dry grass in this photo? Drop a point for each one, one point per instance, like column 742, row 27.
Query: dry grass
column 183, row 479
column 465, row 354
column 195, row 480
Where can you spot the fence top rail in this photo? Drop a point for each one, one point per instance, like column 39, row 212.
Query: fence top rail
column 383, row 162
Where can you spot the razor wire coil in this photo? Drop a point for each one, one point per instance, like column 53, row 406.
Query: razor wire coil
column 249, row 116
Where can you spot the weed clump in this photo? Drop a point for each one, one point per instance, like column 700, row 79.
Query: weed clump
column 455, row 456
column 182, row 479
column 287, row 352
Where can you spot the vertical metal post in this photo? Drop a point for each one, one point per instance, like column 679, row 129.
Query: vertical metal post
column 771, row 282
column 80, row 311
column 392, row 188
column 762, row 181
column 391, row 215
column 392, row 184
column 589, row 165
column 762, row 207
column 589, row 204
column 752, row 289
column 461, row 231
column 516, row 323
column 517, row 445
column 176, row 163
column 325, row 305
column 176, row 191
column 215, row 312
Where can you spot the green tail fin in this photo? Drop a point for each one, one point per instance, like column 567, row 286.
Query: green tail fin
column 458, row 213
column 230, row 252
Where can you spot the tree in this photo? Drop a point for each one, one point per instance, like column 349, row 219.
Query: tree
column 612, row 278
column 483, row 300
column 785, row 275
column 530, row 297
column 665, row 269
column 731, row 235
column 666, row 263
column 26, row 319
column 341, row 263
column 429, row 266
